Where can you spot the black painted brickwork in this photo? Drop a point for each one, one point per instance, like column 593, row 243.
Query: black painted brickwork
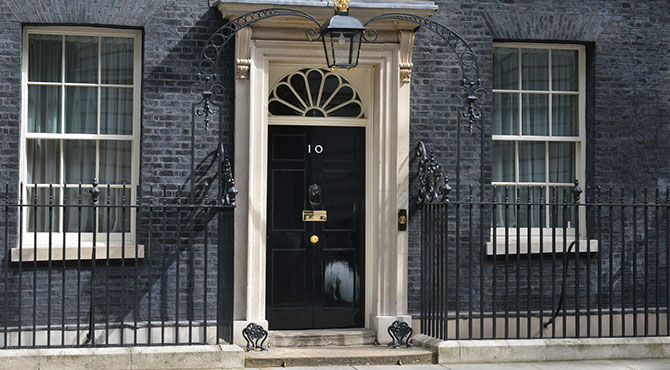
column 174, row 33
column 628, row 93
column 627, row 86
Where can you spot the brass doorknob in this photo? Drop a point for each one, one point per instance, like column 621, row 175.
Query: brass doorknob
column 314, row 239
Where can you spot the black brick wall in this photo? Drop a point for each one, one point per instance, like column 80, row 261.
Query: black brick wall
column 174, row 33
column 627, row 93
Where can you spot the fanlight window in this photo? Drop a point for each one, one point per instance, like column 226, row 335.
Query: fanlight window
column 315, row 93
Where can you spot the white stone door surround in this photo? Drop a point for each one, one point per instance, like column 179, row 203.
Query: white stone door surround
column 386, row 64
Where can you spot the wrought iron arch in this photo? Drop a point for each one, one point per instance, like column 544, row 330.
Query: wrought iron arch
column 208, row 83
column 471, row 89
column 211, row 53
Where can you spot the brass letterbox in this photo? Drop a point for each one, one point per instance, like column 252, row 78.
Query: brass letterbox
column 314, row 216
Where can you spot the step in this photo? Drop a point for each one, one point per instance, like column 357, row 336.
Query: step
column 334, row 355
column 321, row 337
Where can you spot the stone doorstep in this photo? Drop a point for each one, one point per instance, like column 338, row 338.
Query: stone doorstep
column 334, row 355
column 525, row 350
column 174, row 357
column 320, row 337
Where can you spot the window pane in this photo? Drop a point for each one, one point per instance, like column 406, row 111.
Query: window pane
column 505, row 114
column 114, row 219
column 81, row 110
column 81, row 59
column 564, row 72
column 506, row 68
column 41, row 218
column 535, row 69
column 116, row 111
column 529, row 212
column 45, row 57
column 531, row 161
column 564, row 115
column 505, row 214
column 116, row 60
column 562, row 162
column 43, row 161
column 503, row 161
column 44, row 109
column 115, row 162
column 79, row 161
column 535, row 114
column 77, row 219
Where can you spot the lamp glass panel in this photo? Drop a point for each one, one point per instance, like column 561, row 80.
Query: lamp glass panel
column 341, row 44
column 328, row 48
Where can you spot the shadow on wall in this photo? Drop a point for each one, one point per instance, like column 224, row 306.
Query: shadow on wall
column 176, row 149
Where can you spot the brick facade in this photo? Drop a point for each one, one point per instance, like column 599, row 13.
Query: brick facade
column 174, row 34
column 628, row 90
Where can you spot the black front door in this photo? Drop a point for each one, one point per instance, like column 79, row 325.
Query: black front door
column 315, row 268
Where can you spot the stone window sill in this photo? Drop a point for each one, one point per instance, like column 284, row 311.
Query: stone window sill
column 76, row 252
column 546, row 246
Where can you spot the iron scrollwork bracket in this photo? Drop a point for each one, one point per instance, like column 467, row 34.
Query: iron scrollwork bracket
column 433, row 186
column 254, row 333
column 467, row 59
column 401, row 334
column 471, row 89
column 209, row 87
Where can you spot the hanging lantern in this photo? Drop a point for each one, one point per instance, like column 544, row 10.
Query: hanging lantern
column 341, row 37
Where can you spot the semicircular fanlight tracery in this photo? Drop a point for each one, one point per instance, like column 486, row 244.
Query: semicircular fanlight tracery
column 315, row 92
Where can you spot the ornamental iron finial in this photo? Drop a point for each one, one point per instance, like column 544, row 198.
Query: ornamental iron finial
column 341, row 5
column 433, row 186
column 229, row 192
column 95, row 192
column 473, row 111
column 576, row 191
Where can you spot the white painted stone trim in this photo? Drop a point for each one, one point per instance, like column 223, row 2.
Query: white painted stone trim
column 173, row 357
column 524, row 350
column 387, row 177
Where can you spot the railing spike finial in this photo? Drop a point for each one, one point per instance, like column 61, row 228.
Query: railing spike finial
column 95, row 192
column 576, row 191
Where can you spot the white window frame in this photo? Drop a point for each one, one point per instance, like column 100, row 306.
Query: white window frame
column 79, row 244
column 580, row 159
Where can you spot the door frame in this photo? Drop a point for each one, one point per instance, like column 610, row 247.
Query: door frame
column 387, row 177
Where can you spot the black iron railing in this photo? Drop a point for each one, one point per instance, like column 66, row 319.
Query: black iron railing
column 524, row 262
column 114, row 266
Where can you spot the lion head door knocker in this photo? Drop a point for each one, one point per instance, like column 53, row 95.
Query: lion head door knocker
column 314, row 196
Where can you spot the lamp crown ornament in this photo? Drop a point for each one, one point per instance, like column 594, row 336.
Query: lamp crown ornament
column 341, row 5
